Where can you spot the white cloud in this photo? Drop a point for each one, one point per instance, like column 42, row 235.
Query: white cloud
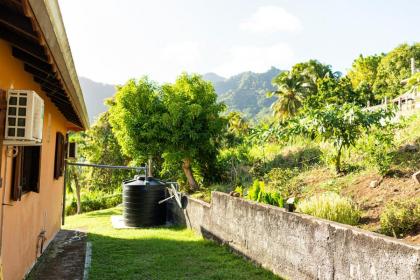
column 270, row 19
column 257, row 59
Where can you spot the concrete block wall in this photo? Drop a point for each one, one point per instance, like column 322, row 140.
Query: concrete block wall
column 298, row 246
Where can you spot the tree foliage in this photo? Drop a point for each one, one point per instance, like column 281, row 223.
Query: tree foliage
column 179, row 122
column 341, row 125
column 394, row 68
column 363, row 76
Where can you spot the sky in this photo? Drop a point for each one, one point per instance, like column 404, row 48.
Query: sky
column 115, row 40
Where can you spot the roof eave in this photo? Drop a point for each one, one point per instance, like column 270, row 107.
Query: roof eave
column 48, row 17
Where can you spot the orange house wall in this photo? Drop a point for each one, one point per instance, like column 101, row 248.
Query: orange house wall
column 25, row 219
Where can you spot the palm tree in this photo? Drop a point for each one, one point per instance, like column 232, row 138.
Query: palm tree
column 291, row 90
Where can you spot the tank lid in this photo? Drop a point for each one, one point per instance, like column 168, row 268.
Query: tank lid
column 143, row 181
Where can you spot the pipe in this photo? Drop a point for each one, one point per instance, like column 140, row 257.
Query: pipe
column 63, row 211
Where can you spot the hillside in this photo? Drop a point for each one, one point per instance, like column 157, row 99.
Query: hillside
column 245, row 92
column 94, row 94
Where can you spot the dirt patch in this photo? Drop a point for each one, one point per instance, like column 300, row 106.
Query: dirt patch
column 372, row 200
column 63, row 259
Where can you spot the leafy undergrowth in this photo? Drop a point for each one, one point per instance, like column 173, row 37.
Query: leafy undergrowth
column 157, row 253
column 300, row 170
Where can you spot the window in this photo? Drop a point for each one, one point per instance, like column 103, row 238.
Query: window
column 25, row 173
column 59, row 155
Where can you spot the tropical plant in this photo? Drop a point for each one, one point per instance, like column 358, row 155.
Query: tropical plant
column 291, row 91
column 258, row 192
column 340, row 124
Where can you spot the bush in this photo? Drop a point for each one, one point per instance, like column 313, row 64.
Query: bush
column 331, row 206
column 400, row 217
column 283, row 180
column 379, row 147
column 257, row 193
column 94, row 200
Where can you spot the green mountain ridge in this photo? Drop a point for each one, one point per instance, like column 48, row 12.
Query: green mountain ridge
column 244, row 92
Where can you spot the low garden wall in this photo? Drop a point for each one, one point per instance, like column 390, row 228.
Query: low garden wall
column 298, row 246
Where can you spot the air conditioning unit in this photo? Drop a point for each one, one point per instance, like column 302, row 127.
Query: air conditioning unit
column 24, row 118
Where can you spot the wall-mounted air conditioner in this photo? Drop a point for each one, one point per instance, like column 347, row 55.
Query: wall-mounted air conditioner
column 24, row 118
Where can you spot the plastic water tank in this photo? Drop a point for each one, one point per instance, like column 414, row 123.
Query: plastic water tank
column 140, row 201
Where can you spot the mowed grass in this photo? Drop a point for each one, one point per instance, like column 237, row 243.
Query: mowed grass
column 157, row 253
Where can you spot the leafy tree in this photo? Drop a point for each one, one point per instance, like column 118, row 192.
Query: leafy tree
column 179, row 122
column 300, row 87
column 135, row 115
column 313, row 70
column 363, row 75
column 100, row 146
column 340, row 124
column 193, row 121
column 394, row 68
column 335, row 91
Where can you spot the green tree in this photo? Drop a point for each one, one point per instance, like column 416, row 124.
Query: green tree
column 291, row 91
column 363, row 75
column 100, row 146
column 179, row 122
column 135, row 115
column 195, row 126
column 394, row 68
column 341, row 125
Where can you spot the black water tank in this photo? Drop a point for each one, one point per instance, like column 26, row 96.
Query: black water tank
column 140, row 200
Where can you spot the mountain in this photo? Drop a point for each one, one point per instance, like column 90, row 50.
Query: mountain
column 213, row 77
column 95, row 93
column 246, row 92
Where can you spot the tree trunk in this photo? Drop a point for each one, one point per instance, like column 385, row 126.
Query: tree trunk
column 186, row 166
column 338, row 160
column 77, row 186
column 150, row 167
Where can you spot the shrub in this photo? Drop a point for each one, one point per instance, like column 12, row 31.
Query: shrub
column 400, row 217
column 257, row 192
column 283, row 180
column 331, row 206
column 94, row 200
column 379, row 147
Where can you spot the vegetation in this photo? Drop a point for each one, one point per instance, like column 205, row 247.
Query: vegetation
column 332, row 207
column 157, row 253
column 178, row 124
column 401, row 217
column 319, row 145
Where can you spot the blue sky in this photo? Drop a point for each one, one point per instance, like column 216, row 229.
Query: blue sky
column 114, row 40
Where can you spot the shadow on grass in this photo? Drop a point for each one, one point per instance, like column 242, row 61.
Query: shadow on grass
column 170, row 255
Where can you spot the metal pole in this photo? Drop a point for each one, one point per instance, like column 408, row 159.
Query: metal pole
column 63, row 214
column 108, row 166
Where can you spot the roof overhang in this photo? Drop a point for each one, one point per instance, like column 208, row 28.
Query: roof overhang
column 36, row 32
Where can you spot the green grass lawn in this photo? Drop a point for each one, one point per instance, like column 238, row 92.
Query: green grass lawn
column 157, row 253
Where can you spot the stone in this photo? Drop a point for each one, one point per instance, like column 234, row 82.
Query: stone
column 410, row 148
column 373, row 184
column 416, row 177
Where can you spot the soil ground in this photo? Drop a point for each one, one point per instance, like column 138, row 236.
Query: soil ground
column 64, row 258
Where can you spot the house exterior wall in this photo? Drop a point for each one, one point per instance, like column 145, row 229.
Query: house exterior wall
column 24, row 220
